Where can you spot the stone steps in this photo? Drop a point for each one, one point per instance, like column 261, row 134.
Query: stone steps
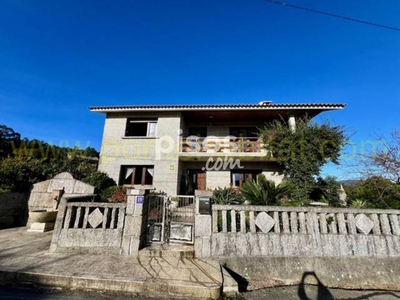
column 168, row 250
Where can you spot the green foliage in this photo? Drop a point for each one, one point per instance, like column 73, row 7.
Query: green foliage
column 359, row 204
column 24, row 162
column 303, row 152
column 100, row 180
column 17, row 175
column 114, row 194
column 8, row 137
column 226, row 196
column 376, row 192
column 326, row 190
column 262, row 191
column 293, row 203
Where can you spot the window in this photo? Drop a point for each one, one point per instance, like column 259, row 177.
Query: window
column 132, row 175
column 240, row 177
column 140, row 127
column 198, row 131
column 244, row 131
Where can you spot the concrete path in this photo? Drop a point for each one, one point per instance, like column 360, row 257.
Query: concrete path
column 310, row 292
column 24, row 257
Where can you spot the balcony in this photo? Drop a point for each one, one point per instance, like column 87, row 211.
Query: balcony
column 201, row 148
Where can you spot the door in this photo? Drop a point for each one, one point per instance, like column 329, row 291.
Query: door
column 201, row 181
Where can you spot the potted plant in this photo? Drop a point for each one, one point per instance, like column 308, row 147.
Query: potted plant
column 174, row 202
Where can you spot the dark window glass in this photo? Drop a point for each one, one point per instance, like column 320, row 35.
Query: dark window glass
column 244, row 131
column 198, row 131
column 140, row 175
column 137, row 127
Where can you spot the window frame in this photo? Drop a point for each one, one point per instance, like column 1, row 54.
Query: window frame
column 136, row 169
column 243, row 176
column 151, row 127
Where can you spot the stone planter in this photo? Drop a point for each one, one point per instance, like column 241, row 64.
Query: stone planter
column 42, row 220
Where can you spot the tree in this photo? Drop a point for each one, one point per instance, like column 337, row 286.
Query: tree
column 18, row 174
column 386, row 160
column 375, row 192
column 24, row 162
column 7, row 137
column 378, row 157
column 303, row 152
column 327, row 190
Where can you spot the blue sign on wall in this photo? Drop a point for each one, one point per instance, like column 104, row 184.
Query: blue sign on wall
column 139, row 199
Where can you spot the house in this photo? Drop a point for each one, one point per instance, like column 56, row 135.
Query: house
column 179, row 148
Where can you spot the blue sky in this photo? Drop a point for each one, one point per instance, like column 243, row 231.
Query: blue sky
column 57, row 58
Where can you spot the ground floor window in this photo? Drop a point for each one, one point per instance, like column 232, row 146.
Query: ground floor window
column 131, row 175
column 240, row 177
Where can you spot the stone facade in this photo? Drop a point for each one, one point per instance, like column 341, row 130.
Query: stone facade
column 160, row 151
column 165, row 154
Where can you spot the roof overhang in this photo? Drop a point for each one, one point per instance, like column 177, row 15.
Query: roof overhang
column 236, row 107
column 225, row 112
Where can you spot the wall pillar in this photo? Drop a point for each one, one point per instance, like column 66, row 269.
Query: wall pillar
column 292, row 123
column 135, row 224
column 202, row 229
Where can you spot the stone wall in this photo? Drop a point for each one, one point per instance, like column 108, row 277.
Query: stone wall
column 247, row 231
column 354, row 272
column 94, row 227
column 41, row 197
column 88, row 227
column 13, row 209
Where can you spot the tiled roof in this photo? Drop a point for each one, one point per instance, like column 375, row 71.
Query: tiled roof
column 265, row 106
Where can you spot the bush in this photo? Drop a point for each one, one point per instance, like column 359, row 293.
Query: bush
column 114, row 194
column 226, row 196
column 18, row 174
column 375, row 192
column 261, row 192
column 326, row 190
column 100, row 180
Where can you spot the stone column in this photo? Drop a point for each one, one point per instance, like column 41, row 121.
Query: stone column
column 202, row 229
column 292, row 123
column 135, row 225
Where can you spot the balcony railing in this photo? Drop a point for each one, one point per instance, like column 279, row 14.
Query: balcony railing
column 227, row 144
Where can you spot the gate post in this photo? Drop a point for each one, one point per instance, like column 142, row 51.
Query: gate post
column 202, row 229
column 135, row 225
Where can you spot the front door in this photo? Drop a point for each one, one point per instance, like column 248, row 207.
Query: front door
column 201, row 181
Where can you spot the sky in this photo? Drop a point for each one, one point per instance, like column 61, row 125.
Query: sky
column 58, row 58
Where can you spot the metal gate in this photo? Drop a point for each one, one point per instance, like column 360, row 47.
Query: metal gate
column 170, row 219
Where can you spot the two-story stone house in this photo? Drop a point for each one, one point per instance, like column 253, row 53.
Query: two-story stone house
column 180, row 148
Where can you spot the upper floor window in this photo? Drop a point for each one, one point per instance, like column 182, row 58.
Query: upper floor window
column 244, row 131
column 141, row 127
column 198, row 131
